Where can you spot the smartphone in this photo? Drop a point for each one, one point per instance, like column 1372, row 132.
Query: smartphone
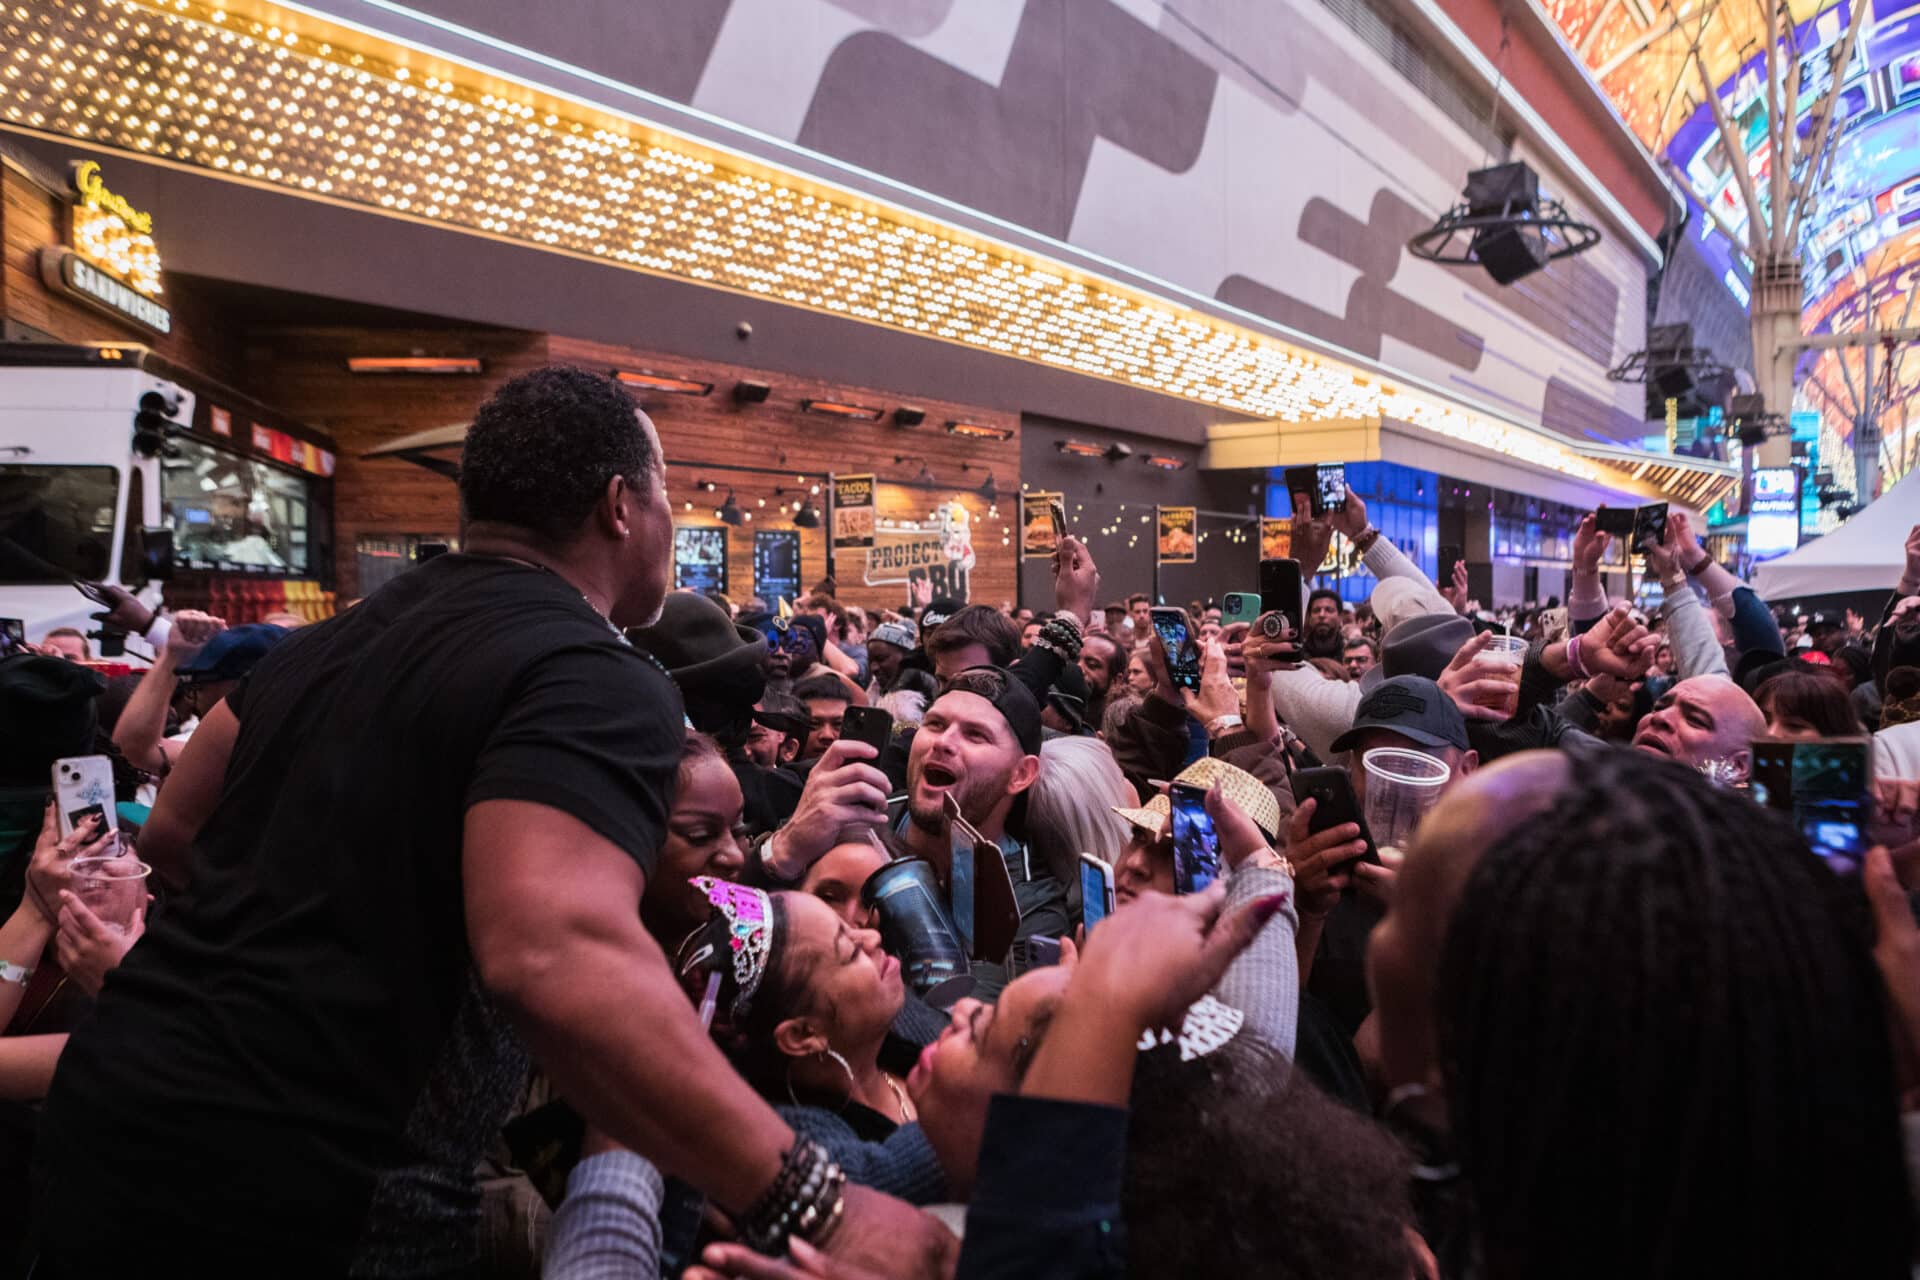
column 1239, row 606
column 1335, row 804
column 1833, row 799
column 1770, row 780
column 1449, row 557
column 1096, row 891
column 871, row 725
column 13, row 636
column 1057, row 513
column 1330, row 488
column 1183, row 658
column 83, row 785
column 1617, row 521
column 1283, row 589
column 92, row 591
column 1303, row 482
column 1029, row 954
column 1196, row 845
column 1649, row 525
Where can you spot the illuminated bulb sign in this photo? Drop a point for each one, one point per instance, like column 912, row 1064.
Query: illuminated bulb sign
column 110, row 261
column 1773, row 521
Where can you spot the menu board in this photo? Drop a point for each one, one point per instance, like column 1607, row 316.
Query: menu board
column 700, row 559
column 776, row 564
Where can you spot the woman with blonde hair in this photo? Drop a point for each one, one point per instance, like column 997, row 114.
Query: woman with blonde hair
column 1070, row 810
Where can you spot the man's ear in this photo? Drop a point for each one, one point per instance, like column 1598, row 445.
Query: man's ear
column 618, row 507
column 1742, row 762
column 1469, row 762
column 799, row 1038
column 1024, row 775
column 789, row 748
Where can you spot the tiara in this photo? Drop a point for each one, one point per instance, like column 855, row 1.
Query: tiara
column 749, row 916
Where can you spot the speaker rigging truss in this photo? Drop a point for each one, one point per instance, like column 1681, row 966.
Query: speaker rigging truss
column 1505, row 225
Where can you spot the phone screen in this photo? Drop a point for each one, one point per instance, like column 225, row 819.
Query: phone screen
column 1183, row 660
column 1330, row 488
column 13, row 635
column 1057, row 513
column 1770, row 781
column 1096, row 893
column 1196, row 845
column 1280, row 590
column 1614, row 520
column 1650, row 525
column 1831, row 802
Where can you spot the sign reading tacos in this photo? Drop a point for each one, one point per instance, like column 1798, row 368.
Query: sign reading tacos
column 853, row 510
column 938, row 551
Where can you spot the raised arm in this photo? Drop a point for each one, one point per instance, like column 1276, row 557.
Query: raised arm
column 142, row 728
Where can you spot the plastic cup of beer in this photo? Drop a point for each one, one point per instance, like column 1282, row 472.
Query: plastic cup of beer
column 114, row 887
column 1506, row 655
column 1401, row 786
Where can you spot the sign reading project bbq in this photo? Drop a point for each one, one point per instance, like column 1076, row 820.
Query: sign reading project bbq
column 937, row 551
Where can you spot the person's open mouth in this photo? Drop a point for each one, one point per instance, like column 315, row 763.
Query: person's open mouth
column 938, row 777
column 1649, row 742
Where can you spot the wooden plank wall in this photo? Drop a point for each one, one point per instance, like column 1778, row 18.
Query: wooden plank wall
column 777, row 433
column 32, row 218
column 304, row 372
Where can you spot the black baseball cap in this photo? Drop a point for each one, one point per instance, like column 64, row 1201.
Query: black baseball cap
column 1824, row 621
column 937, row 612
column 1413, row 707
column 1009, row 696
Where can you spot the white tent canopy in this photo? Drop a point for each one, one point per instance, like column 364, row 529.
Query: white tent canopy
column 1866, row 553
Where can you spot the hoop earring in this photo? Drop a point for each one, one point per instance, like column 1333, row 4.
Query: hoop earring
column 823, row 1055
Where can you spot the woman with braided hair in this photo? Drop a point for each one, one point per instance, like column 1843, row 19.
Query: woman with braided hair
column 1646, row 1020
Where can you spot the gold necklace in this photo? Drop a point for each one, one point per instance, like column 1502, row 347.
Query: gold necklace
column 899, row 1096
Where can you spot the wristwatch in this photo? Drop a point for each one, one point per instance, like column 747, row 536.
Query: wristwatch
column 1364, row 540
column 10, row 972
column 1221, row 724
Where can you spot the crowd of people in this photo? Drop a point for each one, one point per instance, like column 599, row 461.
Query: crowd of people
column 531, row 918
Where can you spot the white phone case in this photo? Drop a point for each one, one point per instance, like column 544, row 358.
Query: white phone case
column 84, row 784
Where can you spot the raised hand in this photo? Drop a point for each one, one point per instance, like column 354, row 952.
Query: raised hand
column 1149, row 962
column 1455, row 592
column 1217, row 696
column 1482, row 688
column 1589, row 545
column 1076, row 579
column 1323, row 863
column 1618, row 646
column 1242, row 843
column 1311, row 536
column 1350, row 517
column 842, row 790
column 191, row 632
column 50, row 870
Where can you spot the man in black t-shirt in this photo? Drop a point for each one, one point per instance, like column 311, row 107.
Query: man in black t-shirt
column 419, row 836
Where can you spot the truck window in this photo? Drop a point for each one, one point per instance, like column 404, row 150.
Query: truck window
column 230, row 512
column 56, row 522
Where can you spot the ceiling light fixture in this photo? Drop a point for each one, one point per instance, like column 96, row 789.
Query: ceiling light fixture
column 842, row 409
column 415, row 364
column 807, row 517
column 666, row 384
column 974, row 431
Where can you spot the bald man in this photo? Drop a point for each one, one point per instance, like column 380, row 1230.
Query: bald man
column 1700, row 719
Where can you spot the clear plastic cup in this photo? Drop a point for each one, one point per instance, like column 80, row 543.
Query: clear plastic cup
column 1401, row 786
column 1506, row 650
column 114, row 887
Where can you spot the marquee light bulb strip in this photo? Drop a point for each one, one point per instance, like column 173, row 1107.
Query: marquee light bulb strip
column 210, row 88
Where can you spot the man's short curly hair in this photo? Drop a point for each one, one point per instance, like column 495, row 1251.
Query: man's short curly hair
column 542, row 448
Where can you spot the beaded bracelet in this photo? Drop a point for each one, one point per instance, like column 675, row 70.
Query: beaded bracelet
column 806, row 1199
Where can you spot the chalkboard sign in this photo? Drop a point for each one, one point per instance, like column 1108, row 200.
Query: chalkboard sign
column 776, row 564
column 700, row 559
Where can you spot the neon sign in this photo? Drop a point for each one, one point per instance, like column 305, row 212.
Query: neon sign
column 111, row 262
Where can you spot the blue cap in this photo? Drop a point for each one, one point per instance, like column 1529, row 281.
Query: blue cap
column 232, row 653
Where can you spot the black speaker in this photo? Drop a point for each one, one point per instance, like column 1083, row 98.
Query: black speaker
column 749, row 392
column 1509, row 252
column 1668, row 340
column 1505, row 188
column 1672, row 381
column 907, row 415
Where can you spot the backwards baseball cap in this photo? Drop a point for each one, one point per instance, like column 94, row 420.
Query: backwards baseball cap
column 1413, row 707
column 1009, row 697
column 1824, row 621
column 938, row 611
column 1420, row 646
column 901, row 635
column 231, row 654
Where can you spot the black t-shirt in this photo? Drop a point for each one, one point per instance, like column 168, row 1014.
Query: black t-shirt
column 297, row 1063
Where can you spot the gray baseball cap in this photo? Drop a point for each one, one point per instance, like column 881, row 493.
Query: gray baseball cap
column 1420, row 646
column 1413, row 707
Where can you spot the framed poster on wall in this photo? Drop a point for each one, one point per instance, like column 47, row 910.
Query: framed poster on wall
column 1178, row 542
column 700, row 559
